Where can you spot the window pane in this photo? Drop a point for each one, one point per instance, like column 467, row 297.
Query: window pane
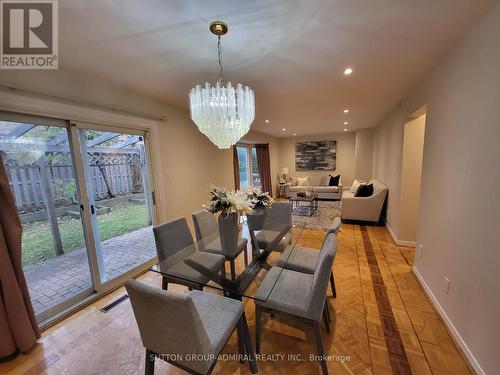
column 255, row 169
column 243, row 166
column 116, row 171
column 39, row 167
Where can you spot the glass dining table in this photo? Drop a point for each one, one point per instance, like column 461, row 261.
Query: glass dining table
column 271, row 241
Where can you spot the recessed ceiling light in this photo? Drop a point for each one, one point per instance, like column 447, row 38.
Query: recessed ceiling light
column 345, row 123
column 283, row 129
column 348, row 71
column 346, row 111
column 266, row 121
column 294, row 133
column 345, row 129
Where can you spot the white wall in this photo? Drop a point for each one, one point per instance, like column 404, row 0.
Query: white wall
column 460, row 199
column 363, row 153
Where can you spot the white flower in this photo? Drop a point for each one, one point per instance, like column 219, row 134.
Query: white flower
column 228, row 201
column 238, row 201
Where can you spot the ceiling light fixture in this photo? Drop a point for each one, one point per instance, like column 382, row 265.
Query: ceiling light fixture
column 266, row 121
column 348, row 71
column 346, row 123
column 283, row 129
column 223, row 113
column 294, row 134
column 346, row 111
column 345, row 129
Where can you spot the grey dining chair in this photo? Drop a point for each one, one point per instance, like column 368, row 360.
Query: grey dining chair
column 304, row 259
column 173, row 244
column 187, row 330
column 205, row 225
column 263, row 233
column 299, row 295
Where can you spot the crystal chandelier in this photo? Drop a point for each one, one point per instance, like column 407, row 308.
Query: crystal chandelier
column 223, row 113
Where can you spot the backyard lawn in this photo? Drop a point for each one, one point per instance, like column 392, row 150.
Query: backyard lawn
column 37, row 238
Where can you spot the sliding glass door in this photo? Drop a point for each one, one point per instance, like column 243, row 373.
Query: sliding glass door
column 83, row 194
column 248, row 166
column 116, row 171
column 41, row 174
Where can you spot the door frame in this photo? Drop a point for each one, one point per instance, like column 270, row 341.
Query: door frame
column 47, row 110
column 95, row 258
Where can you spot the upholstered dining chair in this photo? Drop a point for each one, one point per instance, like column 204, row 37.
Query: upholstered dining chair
column 187, row 330
column 173, row 244
column 262, row 233
column 205, row 225
column 304, row 259
column 299, row 295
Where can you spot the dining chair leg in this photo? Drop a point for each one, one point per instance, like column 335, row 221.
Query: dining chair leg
column 164, row 283
column 223, row 270
column 258, row 328
column 241, row 344
column 233, row 270
column 248, row 344
column 245, row 257
column 326, row 320
column 149, row 366
column 327, row 311
column 332, row 284
column 319, row 347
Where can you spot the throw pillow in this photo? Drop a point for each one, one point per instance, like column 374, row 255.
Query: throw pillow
column 303, row 181
column 365, row 190
column 334, row 180
column 355, row 186
column 324, row 181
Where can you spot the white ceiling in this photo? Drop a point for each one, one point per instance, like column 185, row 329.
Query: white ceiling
column 292, row 53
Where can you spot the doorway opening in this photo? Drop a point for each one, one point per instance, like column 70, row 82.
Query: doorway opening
column 411, row 175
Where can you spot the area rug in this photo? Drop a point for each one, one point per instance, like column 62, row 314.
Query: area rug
column 322, row 218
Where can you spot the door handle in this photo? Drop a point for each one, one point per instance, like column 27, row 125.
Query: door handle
column 92, row 209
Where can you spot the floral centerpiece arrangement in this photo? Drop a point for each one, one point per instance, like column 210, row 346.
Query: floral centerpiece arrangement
column 257, row 198
column 228, row 201
column 230, row 204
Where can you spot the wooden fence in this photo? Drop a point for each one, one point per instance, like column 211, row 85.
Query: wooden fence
column 25, row 183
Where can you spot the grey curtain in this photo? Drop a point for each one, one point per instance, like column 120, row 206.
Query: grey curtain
column 18, row 327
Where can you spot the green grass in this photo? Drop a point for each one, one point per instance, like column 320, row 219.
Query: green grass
column 37, row 237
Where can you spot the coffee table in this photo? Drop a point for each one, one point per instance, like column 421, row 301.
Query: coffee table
column 307, row 209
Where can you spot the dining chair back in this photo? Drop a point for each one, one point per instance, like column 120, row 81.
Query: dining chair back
column 205, row 225
column 171, row 237
column 322, row 275
column 169, row 323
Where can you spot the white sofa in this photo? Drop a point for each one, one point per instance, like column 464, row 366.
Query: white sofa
column 323, row 191
column 364, row 208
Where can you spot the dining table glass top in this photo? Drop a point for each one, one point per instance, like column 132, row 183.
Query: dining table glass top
column 197, row 264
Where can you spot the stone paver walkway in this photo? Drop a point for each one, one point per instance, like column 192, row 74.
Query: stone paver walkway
column 55, row 280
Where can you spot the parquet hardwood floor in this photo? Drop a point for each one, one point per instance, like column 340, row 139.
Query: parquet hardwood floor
column 92, row 342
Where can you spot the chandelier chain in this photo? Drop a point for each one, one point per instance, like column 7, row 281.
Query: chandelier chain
column 221, row 69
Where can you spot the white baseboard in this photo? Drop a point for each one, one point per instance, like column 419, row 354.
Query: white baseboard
column 473, row 363
column 397, row 241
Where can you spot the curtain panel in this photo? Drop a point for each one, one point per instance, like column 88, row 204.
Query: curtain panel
column 264, row 162
column 236, row 168
column 18, row 326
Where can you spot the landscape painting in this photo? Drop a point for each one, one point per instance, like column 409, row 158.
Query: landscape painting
column 316, row 156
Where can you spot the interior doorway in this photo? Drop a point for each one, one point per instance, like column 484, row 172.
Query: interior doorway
column 411, row 175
